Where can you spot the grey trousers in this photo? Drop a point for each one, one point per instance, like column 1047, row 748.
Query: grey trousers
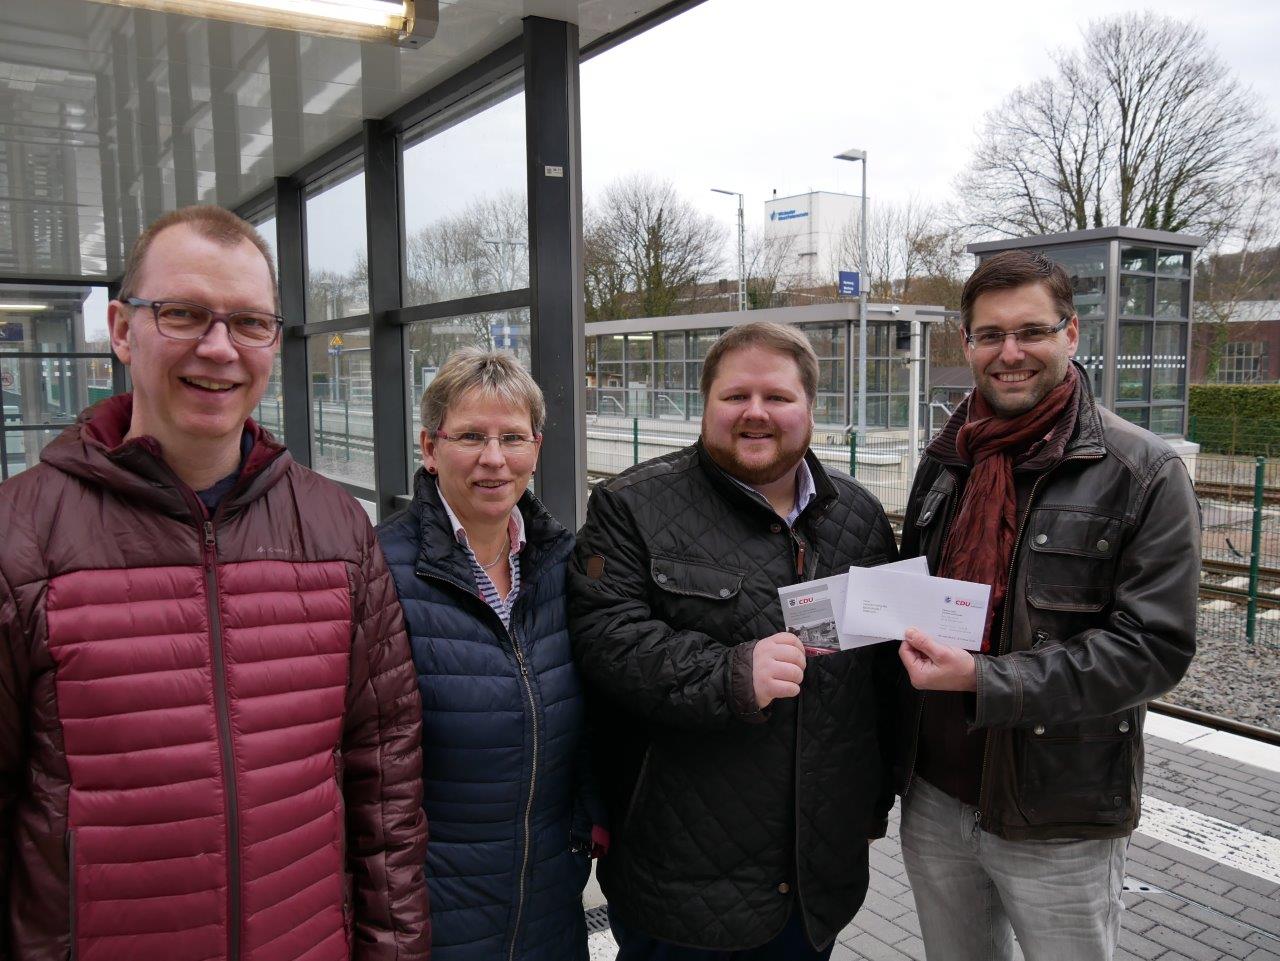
column 975, row 891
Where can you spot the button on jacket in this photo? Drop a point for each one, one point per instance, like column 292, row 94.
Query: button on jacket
column 209, row 728
column 723, row 815
column 1099, row 618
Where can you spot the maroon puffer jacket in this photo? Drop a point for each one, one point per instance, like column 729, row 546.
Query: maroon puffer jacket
column 209, row 727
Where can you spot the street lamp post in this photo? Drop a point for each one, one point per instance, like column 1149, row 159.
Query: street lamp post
column 742, row 248
column 861, row 155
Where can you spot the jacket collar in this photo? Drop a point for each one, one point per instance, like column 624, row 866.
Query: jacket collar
column 95, row 450
column 734, row 492
column 440, row 554
column 1087, row 441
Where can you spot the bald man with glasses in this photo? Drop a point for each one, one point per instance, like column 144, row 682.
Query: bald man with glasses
column 209, row 721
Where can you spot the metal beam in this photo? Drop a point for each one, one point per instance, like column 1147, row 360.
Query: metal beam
column 291, row 258
column 385, row 228
column 553, row 156
column 479, row 304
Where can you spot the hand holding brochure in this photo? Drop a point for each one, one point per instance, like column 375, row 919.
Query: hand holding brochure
column 884, row 602
column 815, row 610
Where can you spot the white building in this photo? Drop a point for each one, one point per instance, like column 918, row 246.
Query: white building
column 814, row 225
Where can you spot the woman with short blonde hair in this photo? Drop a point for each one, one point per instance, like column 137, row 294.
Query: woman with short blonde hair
column 479, row 565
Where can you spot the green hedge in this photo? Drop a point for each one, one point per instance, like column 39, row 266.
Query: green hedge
column 1236, row 418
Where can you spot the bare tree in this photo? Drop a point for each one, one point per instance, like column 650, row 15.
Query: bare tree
column 482, row 249
column 1144, row 127
column 1241, row 267
column 647, row 250
column 767, row 259
column 905, row 243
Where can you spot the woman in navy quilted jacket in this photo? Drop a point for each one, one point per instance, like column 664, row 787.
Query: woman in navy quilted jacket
column 479, row 565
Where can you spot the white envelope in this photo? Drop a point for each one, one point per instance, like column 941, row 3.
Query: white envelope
column 883, row 602
column 812, row 609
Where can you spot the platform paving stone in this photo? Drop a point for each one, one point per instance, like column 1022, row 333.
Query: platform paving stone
column 1197, row 909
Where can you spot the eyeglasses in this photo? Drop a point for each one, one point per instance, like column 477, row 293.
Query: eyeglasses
column 473, row 442
column 1026, row 336
column 182, row 321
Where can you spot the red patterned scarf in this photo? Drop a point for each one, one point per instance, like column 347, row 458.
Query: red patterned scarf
column 980, row 545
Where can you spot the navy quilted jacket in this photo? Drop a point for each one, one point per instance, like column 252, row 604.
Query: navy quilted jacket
column 502, row 746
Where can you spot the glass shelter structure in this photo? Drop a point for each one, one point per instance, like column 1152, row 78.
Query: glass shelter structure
column 416, row 200
column 1133, row 294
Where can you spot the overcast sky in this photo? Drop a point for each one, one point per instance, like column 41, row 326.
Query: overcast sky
column 754, row 96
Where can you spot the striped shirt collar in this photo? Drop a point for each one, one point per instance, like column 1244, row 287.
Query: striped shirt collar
column 515, row 526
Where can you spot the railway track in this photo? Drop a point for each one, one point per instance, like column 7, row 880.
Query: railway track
column 1236, row 493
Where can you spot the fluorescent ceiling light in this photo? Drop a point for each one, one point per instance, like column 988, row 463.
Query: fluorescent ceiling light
column 24, row 308
column 407, row 23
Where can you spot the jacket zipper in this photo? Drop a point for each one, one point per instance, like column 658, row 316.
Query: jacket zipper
column 1002, row 645
column 224, row 738
column 514, row 639
column 71, row 885
column 533, row 783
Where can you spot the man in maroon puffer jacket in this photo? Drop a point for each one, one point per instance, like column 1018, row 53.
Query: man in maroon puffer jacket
column 209, row 721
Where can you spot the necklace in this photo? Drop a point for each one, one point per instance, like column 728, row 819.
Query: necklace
column 502, row 552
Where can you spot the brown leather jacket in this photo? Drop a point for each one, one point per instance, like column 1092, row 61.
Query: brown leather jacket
column 209, row 726
column 1099, row 618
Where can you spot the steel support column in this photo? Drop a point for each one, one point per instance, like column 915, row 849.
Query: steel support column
column 386, row 339
column 292, row 268
column 553, row 155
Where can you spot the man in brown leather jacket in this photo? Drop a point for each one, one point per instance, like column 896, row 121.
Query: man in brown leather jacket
column 1021, row 768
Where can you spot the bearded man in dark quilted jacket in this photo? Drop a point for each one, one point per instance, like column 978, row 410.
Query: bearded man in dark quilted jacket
column 210, row 734
column 744, row 780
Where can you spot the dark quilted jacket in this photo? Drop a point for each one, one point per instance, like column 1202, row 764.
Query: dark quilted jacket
column 724, row 815
column 502, row 718
column 209, row 741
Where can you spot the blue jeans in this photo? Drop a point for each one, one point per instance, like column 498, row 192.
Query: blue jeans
column 974, row 890
column 791, row 945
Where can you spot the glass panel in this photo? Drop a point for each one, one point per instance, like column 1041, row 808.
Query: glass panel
column 1135, row 296
column 270, row 410
column 1090, row 352
column 1171, row 298
column 669, row 346
column 671, row 375
column 898, row 411
column 877, row 411
column 611, row 347
column 337, row 269
column 1090, row 261
column 1133, row 362
column 342, row 406
column 829, row 378
column 1174, row 263
column 670, row 404
column 267, row 228
column 466, row 211
column 1167, row 420
column 51, row 390
column 1090, row 297
column 20, row 449
column 701, row 341
column 1169, row 362
column 639, row 347
column 53, row 319
column 1136, row 415
column 1138, row 259
column 430, row 342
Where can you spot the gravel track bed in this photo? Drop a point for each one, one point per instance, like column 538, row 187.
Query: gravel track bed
column 1229, row 677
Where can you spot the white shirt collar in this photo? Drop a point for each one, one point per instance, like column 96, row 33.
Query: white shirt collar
column 515, row 526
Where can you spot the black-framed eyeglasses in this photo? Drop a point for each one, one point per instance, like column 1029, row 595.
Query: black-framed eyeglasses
column 1026, row 337
column 184, row 321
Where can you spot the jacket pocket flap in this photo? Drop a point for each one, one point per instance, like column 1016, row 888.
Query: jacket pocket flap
column 1067, row 597
column 931, row 507
column 694, row 580
column 1055, row 531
